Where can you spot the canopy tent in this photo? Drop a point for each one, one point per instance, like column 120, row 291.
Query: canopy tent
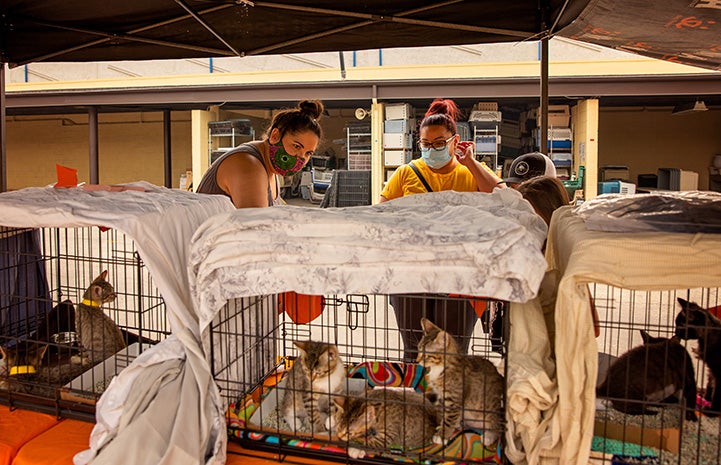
column 83, row 30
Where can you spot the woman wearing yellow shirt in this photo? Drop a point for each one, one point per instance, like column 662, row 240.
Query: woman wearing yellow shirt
column 445, row 164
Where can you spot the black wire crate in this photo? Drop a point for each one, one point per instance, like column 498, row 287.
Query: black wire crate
column 333, row 376
column 77, row 305
column 658, row 358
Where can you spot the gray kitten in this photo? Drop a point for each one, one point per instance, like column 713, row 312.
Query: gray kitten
column 99, row 336
column 384, row 419
column 469, row 388
column 316, row 374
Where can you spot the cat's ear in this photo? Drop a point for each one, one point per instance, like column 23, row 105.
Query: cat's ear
column 102, row 277
column 40, row 353
column 332, row 352
column 341, row 402
column 96, row 291
column 683, row 303
column 428, row 326
column 645, row 336
column 301, row 345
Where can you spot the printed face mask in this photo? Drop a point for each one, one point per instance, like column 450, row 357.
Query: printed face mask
column 284, row 163
column 436, row 158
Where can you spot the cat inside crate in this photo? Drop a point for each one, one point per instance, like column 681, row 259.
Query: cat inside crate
column 68, row 342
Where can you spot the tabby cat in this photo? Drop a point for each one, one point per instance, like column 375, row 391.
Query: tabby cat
column 26, row 372
column 695, row 322
column 317, row 374
column 385, row 418
column 99, row 336
column 469, row 388
column 659, row 370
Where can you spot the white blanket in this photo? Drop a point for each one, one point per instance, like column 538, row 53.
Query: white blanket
column 445, row 242
column 161, row 222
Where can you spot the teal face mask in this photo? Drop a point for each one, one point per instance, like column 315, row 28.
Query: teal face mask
column 436, row 158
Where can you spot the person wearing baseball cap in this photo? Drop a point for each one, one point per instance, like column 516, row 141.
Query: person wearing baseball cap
column 528, row 166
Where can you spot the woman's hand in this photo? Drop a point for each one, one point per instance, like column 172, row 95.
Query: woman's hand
column 464, row 153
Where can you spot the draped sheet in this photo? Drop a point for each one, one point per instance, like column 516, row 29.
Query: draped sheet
column 161, row 222
column 638, row 261
column 444, row 242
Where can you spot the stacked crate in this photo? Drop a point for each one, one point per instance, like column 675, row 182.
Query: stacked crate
column 560, row 139
column 398, row 133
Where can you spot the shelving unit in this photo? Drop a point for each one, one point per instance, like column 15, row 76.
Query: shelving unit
column 226, row 135
column 484, row 122
column 399, row 133
column 486, row 143
column 358, row 146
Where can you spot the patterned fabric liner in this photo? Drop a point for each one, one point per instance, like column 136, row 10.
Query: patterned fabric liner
column 465, row 446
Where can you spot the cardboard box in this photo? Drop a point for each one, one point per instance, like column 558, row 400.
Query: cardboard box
column 668, row 439
column 88, row 387
column 559, row 116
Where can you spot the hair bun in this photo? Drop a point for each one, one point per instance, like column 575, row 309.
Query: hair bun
column 444, row 107
column 312, row 108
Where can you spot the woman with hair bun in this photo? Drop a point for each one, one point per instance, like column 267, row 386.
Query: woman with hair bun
column 445, row 164
column 248, row 174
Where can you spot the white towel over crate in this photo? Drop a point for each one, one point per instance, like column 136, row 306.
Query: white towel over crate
column 132, row 413
column 645, row 261
column 445, row 242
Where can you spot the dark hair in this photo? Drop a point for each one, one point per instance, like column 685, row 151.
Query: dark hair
column 545, row 194
column 442, row 112
column 304, row 117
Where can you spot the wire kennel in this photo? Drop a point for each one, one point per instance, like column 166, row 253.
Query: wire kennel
column 44, row 274
column 253, row 341
column 655, row 393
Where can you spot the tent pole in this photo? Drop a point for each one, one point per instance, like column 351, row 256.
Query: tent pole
column 166, row 145
column 543, row 139
column 93, row 143
column 3, row 152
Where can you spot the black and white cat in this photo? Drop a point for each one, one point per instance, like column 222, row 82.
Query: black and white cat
column 658, row 370
column 696, row 322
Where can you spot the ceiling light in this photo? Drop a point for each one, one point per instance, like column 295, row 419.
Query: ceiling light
column 682, row 108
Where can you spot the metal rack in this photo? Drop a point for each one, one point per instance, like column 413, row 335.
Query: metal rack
column 222, row 132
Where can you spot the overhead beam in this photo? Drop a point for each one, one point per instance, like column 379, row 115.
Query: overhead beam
column 344, row 90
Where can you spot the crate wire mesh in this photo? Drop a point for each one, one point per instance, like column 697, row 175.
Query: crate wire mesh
column 665, row 436
column 253, row 345
column 39, row 269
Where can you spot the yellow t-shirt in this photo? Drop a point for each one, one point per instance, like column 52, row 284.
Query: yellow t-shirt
column 405, row 181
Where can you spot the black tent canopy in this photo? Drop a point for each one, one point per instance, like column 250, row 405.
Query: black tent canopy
column 82, row 30
column 683, row 31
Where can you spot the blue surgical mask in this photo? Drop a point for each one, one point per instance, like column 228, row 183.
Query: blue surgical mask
column 436, row 158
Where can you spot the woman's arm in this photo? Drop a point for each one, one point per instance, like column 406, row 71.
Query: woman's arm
column 486, row 179
column 244, row 179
